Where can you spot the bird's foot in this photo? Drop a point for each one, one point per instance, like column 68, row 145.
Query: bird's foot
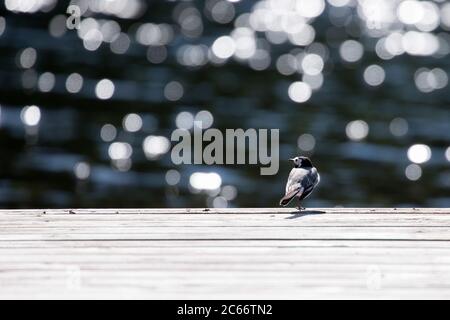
column 300, row 208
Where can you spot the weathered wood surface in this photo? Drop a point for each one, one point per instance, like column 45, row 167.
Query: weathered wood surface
column 228, row 253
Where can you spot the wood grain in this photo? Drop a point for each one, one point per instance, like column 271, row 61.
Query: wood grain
column 250, row 253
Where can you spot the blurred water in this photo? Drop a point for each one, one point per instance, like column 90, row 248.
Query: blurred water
column 358, row 135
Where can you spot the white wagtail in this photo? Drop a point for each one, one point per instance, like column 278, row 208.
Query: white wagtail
column 301, row 182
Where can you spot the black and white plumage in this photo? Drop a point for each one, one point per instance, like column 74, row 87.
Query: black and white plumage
column 301, row 182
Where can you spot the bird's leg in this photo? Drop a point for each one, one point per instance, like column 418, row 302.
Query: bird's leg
column 300, row 208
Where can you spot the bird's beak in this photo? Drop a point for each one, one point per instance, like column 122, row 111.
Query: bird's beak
column 291, row 159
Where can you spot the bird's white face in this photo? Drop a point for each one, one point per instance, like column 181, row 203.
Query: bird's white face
column 297, row 161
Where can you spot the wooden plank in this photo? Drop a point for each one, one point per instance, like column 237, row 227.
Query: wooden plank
column 236, row 256
column 279, row 244
column 221, row 282
column 162, row 220
column 228, row 211
column 229, row 254
column 220, row 233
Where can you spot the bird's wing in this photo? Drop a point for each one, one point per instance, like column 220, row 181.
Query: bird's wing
column 302, row 182
column 295, row 178
column 293, row 185
column 309, row 181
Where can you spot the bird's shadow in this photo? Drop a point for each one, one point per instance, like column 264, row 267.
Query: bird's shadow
column 299, row 214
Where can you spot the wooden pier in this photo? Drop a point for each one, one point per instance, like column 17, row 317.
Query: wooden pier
column 225, row 253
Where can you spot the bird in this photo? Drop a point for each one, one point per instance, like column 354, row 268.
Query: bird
column 302, row 179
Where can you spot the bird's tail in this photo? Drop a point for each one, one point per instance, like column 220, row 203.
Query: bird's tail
column 288, row 197
column 284, row 202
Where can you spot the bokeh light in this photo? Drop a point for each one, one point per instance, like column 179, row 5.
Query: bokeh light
column 31, row 116
column 312, row 64
column 413, row 172
column 205, row 181
column 2, row 25
column 224, row 47
column 299, row 92
column 156, row 54
column 184, row 120
column 108, row 132
column 229, row 192
column 306, row 142
column 120, row 150
column 155, row 146
column 27, row 58
column 120, row 44
column 220, row 202
column 74, row 83
column 132, row 122
column 82, row 170
column 46, row 82
column 399, row 127
column 104, row 89
column 351, row 51
column 173, row 177
column 173, row 91
column 374, row 75
column 419, row 153
column 205, row 117
column 30, row 6
column 357, row 130
column 429, row 80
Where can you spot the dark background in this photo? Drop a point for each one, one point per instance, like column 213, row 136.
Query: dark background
column 64, row 162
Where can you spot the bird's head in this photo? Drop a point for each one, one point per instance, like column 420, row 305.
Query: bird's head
column 301, row 162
